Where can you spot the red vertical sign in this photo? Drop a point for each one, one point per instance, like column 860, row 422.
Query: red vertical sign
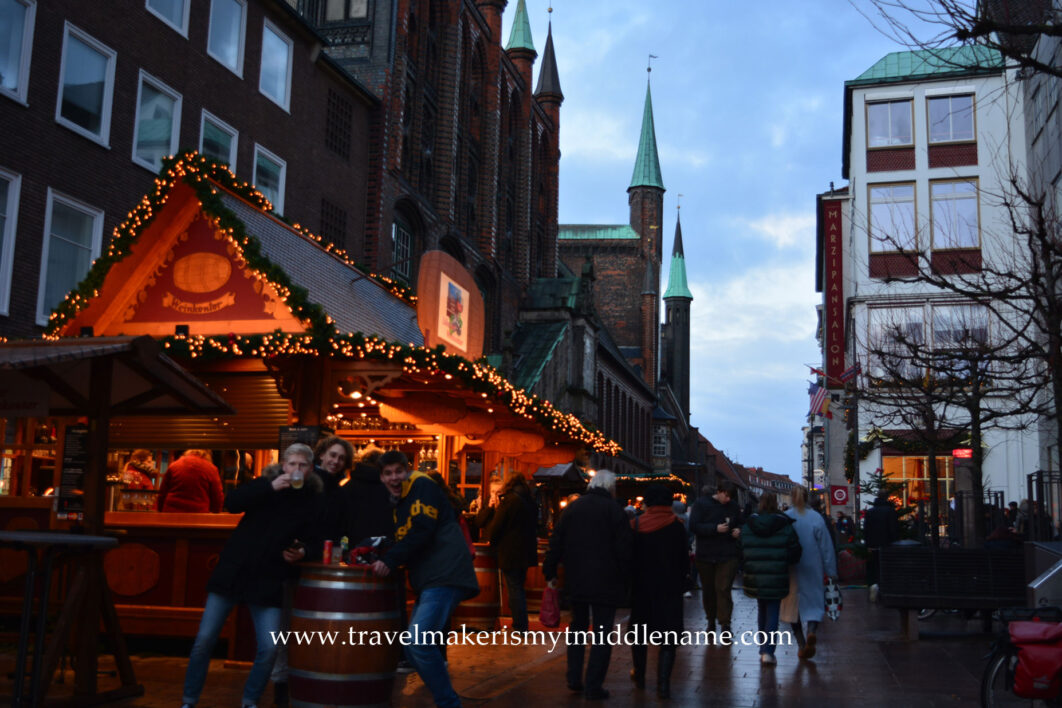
column 833, row 287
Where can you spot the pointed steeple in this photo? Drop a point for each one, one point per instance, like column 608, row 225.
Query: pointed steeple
column 647, row 164
column 520, row 35
column 676, row 279
column 548, row 77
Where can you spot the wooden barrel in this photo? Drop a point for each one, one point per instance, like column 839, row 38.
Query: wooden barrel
column 533, row 584
column 355, row 670
column 481, row 611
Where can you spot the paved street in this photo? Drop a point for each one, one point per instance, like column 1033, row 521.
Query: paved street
column 861, row 658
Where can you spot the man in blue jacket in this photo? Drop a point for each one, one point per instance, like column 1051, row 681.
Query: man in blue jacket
column 429, row 542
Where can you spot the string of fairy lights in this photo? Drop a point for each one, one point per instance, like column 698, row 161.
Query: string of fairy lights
column 321, row 338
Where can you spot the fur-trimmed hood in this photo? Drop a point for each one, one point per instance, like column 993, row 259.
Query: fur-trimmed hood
column 312, row 483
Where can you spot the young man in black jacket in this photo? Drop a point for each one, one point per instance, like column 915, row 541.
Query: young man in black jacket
column 716, row 521
column 429, row 542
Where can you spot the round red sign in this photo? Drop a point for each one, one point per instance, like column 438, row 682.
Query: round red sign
column 839, row 494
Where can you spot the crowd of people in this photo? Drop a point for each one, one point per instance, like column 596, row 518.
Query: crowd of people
column 610, row 557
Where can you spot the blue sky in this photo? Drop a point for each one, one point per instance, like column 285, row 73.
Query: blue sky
column 747, row 99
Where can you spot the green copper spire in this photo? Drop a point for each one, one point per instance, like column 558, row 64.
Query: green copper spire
column 647, row 166
column 676, row 279
column 520, row 35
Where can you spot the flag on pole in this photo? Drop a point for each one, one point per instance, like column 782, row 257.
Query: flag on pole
column 826, row 408
column 851, row 372
column 818, row 372
column 818, row 395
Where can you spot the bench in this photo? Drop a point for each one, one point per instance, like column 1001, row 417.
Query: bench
column 919, row 577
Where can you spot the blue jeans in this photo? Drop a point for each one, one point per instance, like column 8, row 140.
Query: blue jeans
column 514, row 583
column 430, row 614
column 767, row 621
column 217, row 610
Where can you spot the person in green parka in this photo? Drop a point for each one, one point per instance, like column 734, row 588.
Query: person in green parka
column 770, row 545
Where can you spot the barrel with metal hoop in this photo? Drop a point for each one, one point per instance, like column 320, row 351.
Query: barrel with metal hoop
column 348, row 660
column 481, row 611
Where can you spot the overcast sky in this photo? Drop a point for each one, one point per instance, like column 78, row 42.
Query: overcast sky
column 747, row 98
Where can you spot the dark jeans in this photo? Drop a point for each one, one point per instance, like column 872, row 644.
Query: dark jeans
column 767, row 621
column 600, row 651
column 514, row 584
column 717, row 580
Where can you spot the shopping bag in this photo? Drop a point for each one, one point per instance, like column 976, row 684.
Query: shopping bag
column 834, row 601
column 549, row 614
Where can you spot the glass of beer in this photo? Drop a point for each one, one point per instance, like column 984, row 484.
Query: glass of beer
column 296, row 480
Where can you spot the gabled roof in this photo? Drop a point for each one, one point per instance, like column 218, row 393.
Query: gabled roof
column 604, row 232
column 647, row 163
column 533, row 346
column 931, row 63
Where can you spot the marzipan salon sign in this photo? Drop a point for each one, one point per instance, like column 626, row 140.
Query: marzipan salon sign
column 834, row 288
column 173, row 302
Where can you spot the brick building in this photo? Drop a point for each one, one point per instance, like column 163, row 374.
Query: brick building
column 95, row 94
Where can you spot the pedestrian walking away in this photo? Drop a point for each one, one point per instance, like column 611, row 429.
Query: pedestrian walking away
column 817, row 562
column 592, row 540
column 512, row 538
column 770, row 545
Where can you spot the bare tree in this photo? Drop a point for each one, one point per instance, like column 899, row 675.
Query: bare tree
column 1011, row 27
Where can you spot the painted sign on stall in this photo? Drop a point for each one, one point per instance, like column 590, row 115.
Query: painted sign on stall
column 449, row 305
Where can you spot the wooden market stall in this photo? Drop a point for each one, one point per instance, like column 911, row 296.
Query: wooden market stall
column 295, row 337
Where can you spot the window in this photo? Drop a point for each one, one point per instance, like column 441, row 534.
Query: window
column 913, row 473
column 217, row 140
column 87, row 85
column 951, row 118
column 954, row 214
column 343, row 10
column 228, row 25
column 275, row 78
column 10, row 183
column 333, row 223
column 339, row 121
column 172, row 12
column 960, row 339
column 401, row 250
column 73, row 232
column 158, row 121
column 660, row 441
column 16, row 42
column 269, row 174
column 889, row 123
column 896, row 333
column 892, row 217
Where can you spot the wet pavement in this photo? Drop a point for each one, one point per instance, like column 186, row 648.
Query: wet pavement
column 861, row 658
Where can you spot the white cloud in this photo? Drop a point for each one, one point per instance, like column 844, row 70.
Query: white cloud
column 784, row 230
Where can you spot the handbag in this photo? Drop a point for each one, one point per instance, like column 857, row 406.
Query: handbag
column 834, row 601
column 549, row 613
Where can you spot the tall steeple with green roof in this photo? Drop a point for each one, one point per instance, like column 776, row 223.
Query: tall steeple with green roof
column 647, row 163
column 677, row 301
column 676, row 279
column 520, row 35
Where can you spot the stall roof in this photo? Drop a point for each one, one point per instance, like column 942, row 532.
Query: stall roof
column 568, row 472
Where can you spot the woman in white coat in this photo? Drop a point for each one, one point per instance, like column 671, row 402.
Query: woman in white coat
column 816, row 562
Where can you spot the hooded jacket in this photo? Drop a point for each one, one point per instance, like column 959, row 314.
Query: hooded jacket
column 660, row 560
column 251, row 567
column 512, row 530
column 428, row 539
column 361, row 508
column 770, row 545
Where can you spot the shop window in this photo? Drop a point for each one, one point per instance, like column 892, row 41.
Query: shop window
column 218, row 140
column 73, row 232
column 889, row 123
column 16, row 44
column 954, row 213
column 86, row 88
column 158, row 119
column 895, row 333
column 964, row 331
column 228, row 27
column 172, row 12
column 912, row 472
column 275, row 76
column 269, row 176
column 892, row 217
column 951, row 118
column 10, row 185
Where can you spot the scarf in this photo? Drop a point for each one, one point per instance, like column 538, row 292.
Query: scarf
column 654, row 519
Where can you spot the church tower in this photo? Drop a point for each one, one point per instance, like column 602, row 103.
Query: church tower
column 677, row 300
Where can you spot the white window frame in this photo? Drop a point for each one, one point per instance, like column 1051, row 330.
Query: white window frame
column 949, row 197
column 238, row 69
column 97, row 241
column 401, row 250
column 881, row 320
column 175, row 122
column 108, row 92
column 27, row 53
column 183, row 28
column 951, row 119
column 889, row 101
column 225, row 127
column 278, row 206
column 7, row 237
column 268, row 26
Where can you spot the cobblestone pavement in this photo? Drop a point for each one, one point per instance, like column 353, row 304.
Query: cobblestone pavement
column 861, row 658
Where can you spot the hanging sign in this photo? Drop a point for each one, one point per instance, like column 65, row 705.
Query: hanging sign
column 839, row 494
column 449, row 306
